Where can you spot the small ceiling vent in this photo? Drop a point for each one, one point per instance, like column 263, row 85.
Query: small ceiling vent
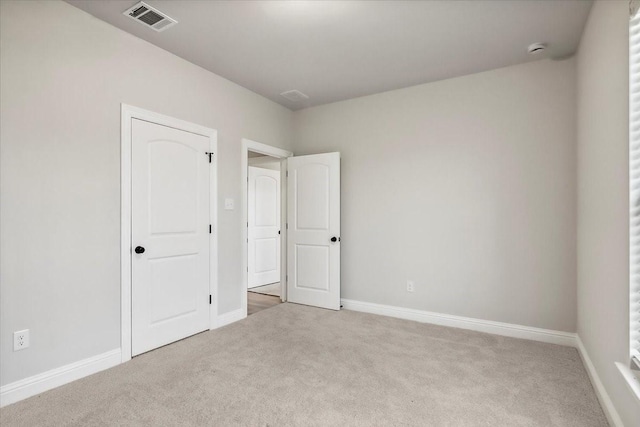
column 294, row 95
column 149, row 17
column 536, row 48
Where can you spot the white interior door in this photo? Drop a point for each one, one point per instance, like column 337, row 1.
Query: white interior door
column 264, row 226
column 313, row 241
column 170, row 235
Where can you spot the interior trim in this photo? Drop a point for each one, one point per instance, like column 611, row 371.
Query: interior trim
column 487, row 326
column 230, row 317
column 53, row 378
column 605, row 401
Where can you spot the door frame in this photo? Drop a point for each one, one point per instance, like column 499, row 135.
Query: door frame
column 278, row 153
column 128, row 113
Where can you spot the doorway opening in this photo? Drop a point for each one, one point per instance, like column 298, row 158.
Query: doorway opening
column 309, row 238
column 264, row 275
column 264, row 208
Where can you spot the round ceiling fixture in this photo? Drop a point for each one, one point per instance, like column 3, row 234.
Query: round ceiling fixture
column 535, row 48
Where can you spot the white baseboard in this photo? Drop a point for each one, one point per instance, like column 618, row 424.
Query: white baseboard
column 40, row 383
column 487, row 326
column 228, row 318
column 605, row 401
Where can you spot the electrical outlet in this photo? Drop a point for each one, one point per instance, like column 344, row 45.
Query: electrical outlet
column 410, row 286
column 20, row 340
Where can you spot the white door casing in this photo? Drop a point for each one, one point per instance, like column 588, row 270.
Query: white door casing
column 313, row 243
column 263, row 226
column 170, row 189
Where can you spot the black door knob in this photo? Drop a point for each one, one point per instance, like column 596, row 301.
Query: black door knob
column 334, row 239
column 139, row 250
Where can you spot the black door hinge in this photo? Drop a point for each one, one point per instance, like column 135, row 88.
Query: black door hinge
column 209, row 299
column 209, row 154
column 209, row 228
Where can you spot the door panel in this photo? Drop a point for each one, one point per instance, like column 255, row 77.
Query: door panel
column 266, row 255
column 170, row 220
column 312, row 267
column 167, row 190
column 164, row 273
column 263, row 226
column 312, row 212
column 265, row 194
column 313, row 196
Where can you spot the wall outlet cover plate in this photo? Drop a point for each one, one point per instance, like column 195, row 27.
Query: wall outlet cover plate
column 20, row 340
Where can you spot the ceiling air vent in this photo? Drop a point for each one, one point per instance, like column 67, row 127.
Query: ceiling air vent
column 149, row 17
column 294, row 95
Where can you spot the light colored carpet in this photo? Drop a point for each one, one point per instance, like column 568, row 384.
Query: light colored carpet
column 297, row 365
column 272, row 289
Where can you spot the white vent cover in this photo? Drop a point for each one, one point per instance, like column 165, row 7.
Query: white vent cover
column 149, row 16
column 294, row 95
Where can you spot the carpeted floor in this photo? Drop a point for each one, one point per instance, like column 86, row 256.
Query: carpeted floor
column 297, row 365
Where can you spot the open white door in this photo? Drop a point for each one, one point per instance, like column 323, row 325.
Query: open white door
column 313, row 241
column 264, row 226
column 169, row 235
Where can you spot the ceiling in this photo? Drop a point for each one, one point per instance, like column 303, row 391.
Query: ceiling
column 336, row 50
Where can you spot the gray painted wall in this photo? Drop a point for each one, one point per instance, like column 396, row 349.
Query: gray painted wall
column 466, row 186
column 64, row 75
column 603, row 198
column 264, row 162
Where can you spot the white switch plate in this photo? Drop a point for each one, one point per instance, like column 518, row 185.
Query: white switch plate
column 410, row 286
column 20, row 340
column 228, row 204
